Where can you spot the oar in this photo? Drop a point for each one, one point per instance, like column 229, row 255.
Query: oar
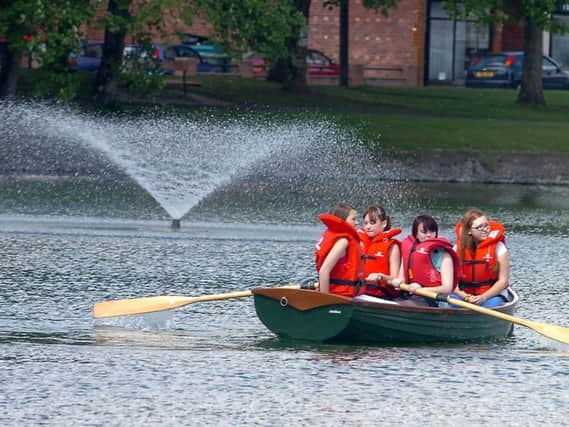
column 555, row 332
column 125, row 307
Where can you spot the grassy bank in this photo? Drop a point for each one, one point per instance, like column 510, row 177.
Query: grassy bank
column 430, row 119
column 397, row 120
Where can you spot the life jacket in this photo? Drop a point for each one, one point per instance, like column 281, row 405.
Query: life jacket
column 479, row 269
column 347, row 276
column 376, row 260
column 417, row 263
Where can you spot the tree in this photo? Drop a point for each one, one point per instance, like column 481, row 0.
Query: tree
column 536, row 16
column 261, row 25
column 138, row 19
column 276, row 29
column 48, row 30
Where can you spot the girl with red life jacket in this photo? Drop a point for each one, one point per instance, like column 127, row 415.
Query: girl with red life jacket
column 382, row 256
column 339, row 253
column 428, row 260
column 484, row 260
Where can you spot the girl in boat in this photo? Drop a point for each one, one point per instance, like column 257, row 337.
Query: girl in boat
column 382, row 254
column 339, row 254
column 484, row 260
column 428, row 260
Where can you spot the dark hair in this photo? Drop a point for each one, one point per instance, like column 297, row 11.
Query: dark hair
column 342, row 210
column 428, row 222
column 377, row 213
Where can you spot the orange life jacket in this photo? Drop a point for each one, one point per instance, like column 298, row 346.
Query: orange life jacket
column 347, row 275
column 376, row 260
column 479, row 269
column 417, row 263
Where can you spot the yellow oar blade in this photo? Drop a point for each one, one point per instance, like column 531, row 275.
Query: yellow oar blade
column 125, row 307
column 554, row 332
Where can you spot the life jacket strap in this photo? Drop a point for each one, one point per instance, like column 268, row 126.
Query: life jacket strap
column 463, row 285
column 357, row 283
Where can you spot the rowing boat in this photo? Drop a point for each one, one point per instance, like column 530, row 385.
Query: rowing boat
column 316, row 316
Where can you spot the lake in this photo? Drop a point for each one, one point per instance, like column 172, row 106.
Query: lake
column 67, row 243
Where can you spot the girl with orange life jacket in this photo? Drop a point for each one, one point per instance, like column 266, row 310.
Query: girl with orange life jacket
column 339, row 253
column 382, row 256
column 428, row 260
column 484, row 259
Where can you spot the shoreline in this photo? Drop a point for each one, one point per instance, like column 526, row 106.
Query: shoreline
column 518, row 169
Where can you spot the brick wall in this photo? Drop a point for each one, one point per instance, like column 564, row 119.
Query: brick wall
column 173, row 25
column 397, row 40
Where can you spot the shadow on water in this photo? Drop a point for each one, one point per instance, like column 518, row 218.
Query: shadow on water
column 45, row 338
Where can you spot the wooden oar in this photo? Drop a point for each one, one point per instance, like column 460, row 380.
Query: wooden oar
column 555, row 332
column 125, row 307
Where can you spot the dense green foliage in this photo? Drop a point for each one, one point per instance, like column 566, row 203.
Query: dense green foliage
column 46, row 29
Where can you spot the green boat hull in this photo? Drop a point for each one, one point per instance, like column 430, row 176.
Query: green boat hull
column 339, row 319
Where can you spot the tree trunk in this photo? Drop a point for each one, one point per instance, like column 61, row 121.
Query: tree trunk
column 106, row 82
column 9, row 74
column 531, row 91
column 296, row 62
column 344, row 41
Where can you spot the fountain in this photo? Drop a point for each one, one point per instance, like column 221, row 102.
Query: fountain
column 180, row 159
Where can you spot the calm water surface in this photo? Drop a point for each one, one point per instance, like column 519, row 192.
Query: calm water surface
column 66, row 244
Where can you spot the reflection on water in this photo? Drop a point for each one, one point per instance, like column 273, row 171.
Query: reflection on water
column 214, row 363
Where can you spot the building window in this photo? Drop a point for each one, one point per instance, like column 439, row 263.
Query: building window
column 559, row 43
column 453, row 46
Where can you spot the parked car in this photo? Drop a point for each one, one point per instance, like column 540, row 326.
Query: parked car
column 505, row 70
column 258, row 64
column 211, row 58
column 89, row 58
column 317, row 63
column 134, row 52
column 321, row 65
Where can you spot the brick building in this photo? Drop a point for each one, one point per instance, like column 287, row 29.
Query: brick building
column 416, row 44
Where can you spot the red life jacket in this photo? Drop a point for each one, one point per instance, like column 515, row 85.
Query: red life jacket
column 417, row 263
column 376, row 260
column 479, row 269
column 347, row 275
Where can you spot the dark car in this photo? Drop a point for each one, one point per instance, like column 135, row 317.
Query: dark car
column 211, row 58
column 505, row 70
column 89, row 58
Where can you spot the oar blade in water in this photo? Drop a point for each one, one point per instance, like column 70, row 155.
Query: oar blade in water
column 126, row 307
column 555, row 332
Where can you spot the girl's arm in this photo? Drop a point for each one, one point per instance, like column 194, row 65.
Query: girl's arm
column 337, row 252
column 394, row 261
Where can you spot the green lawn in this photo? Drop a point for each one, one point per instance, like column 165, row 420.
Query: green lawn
column 416, row 119
column 398, row 120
